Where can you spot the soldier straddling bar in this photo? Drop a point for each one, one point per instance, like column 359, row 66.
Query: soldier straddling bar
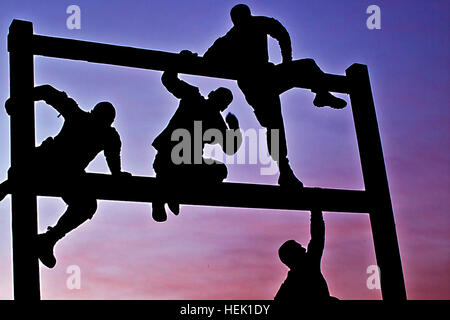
column 244, row 49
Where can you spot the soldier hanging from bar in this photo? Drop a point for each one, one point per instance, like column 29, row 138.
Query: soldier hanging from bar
column 64, row 158
column 180, row 163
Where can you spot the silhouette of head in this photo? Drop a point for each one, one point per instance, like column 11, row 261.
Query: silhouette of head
column 221, row 97
column 240, row 14
column 104, row 113
column 291, row 253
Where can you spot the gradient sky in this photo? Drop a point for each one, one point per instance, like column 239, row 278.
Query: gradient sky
column 222, row 253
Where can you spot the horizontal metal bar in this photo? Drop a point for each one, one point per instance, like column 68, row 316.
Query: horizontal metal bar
column 148, row 59
column 227, row 194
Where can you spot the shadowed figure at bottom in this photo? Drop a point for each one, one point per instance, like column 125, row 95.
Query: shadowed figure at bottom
column 304, row 283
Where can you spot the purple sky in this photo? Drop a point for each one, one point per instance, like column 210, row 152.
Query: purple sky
column 220, row 253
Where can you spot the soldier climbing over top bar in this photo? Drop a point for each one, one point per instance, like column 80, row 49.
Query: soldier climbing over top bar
column 244, row 49
column 64, row 158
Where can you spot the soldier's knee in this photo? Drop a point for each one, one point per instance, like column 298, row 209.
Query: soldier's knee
column 219, row 171
column 306, row 62
column 305, row 65
column 88, row 207
column 311, row 66
column 270, row 118
column 223, row 171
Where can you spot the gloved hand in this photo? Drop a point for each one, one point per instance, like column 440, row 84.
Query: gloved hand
column 41, row 92
column 187, row 53
column 9, row 106
column 232, row 121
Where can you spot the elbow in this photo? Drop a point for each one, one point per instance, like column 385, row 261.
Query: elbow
column 165, row 78
column 168, row 78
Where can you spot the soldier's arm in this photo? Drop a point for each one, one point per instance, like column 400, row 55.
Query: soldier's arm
column 233, row 135
column 277, row 31
column 177, row 87
column 113, row 147
column 218, row 50
column 57, row 99
column 317, row 242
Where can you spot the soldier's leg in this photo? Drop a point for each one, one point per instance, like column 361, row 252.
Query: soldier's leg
column 267, row 107
column 211, row 171
column 300, row 73
column 161, row 165
column 79, row 210
column 187, row 175
column 4, row 189
column 5, row 186
column 272, row 119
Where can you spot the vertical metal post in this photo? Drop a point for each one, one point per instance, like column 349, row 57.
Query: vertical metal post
column 23, row 200
column 376, row 184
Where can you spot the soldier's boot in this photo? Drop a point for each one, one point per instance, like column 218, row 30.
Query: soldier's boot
column 159, row 212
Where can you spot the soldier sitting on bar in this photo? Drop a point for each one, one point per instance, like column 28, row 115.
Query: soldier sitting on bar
column 305, row 281
column 64, row 158
column 244, row 50
column 195, row 115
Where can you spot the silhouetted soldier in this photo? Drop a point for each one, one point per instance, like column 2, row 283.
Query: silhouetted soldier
column 305, row 281
column 244, row 49
column 193, row 110
column 64, row 158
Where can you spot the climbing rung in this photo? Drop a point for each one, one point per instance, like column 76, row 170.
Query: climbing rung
column 227, row 194
column 146, row 59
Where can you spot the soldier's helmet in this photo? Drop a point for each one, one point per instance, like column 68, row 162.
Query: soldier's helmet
column 240, row 14
column 291, row 253
column 104, row 112
column 221, row 97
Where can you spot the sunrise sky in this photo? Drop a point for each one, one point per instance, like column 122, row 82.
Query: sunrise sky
column 223, row 253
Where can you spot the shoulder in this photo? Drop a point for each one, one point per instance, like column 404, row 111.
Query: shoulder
column 193, row 93
column 287, row 286
column 265, row 20
column 291, row 277
column 230, row 33
column 113, row 132
column 74, row 112
column 112, row 139
column 190, row 91
column 110, row 134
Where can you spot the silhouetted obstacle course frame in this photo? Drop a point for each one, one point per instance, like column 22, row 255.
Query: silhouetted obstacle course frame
column 23, row 45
